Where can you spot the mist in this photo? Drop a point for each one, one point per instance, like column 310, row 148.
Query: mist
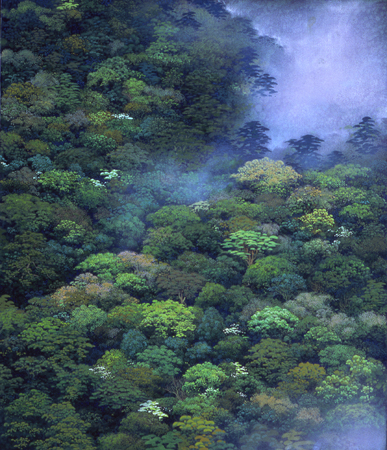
column 329, row 60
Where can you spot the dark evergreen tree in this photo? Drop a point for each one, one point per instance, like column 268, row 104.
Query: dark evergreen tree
column 252, row 137
column 305, row 155
column 363, row 139
column 333, row 159
column 188, row 20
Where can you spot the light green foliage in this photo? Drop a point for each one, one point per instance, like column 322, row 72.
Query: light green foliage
column 87, row 318
column 69, row 232
column 39, row 331
column 162, row 360
column 11, row 317
column 120, row 441
column 265, row 175
column 272, row 321
column 113, row 69
column 270, row 360
column 363, row 382
column 132, row 284
column 12, row 146
column 57, row 339
column 202, row 433
column 334, row 357
column 67, row 94
column 106, row 265
column 317, row 222
column 99, row 143
column 322, row 180
column 169, row 318
column 210, row 295
column 112, row 361
column 249, row 244
column 34, row 420
column 168, row 441
column 93, row 101
column 260, row 274
column 176, row 216
column 164, row 243
column 293, row 439
column 89, row 195
column 62, row 182
column 322, row 336
column 200, row 405
column 26, row 212
column 373, row 295
column 354, row 416
column 27, row 265
column 202, row 376
column 317, row 249
column 348, row 172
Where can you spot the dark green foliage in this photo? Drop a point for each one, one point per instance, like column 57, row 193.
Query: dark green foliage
column 133, row 342
column 198, row 353
column 204, row 237
column 232, row 348
column 270, row 360
column 210, row 295
column 180, row 285
column 141, row 424
column 227, row 271
column 287, row 286
column 165, row 244
column 176, row 216
column 211, row 326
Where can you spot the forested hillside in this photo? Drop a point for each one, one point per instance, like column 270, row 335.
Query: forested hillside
column 164, row 283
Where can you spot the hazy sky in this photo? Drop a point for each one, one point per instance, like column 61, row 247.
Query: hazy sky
column 331, row 71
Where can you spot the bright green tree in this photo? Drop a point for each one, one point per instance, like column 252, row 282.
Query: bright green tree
column 265, row 175
column 169, row 318
column 200, row 377
column 272, row 321
column 106, row 265
column 248, row 244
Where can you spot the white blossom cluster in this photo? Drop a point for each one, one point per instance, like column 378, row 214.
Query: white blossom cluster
column 122, row 116
column 240, row 370
column 153, row 408
column 233, row 329
column 109, row 175
column 210, row 392
column 102, row 371
column 370, row 319
column 342, row 232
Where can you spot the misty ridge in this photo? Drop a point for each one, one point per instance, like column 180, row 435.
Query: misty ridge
column 193, row 225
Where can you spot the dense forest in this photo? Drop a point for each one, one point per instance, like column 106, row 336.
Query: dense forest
column 144, row 305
